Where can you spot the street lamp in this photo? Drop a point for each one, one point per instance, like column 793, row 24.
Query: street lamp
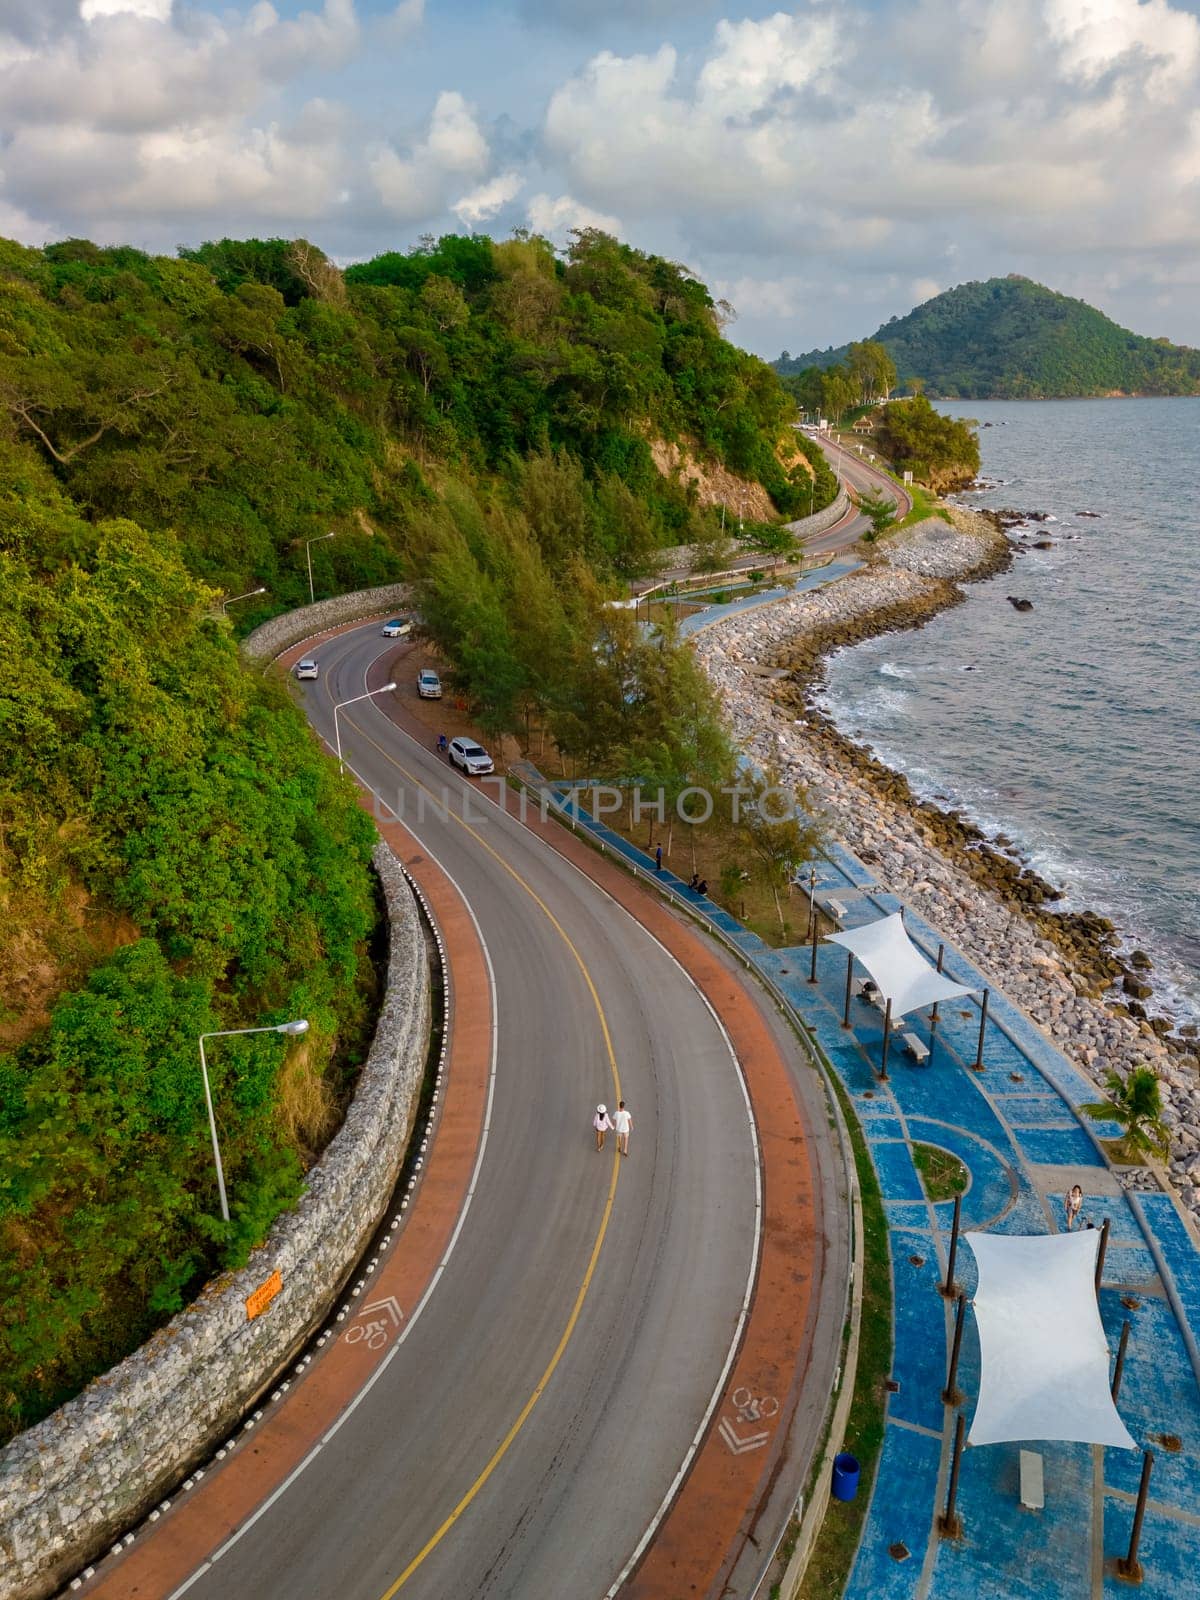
column 249, row 595
column 308, row 544
column 337, row 735
column 297, row 1027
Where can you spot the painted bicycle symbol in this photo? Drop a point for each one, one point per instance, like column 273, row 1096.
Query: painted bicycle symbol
column 751, row 1407
column 373, row 1333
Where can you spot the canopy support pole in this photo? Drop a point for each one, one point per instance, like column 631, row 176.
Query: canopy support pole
column 983, row 1011
column 950, row 1523
column 1120, row 1366
column 1102, row 1252
column 950, row 1288
column 933, row 1015
column 812, row 976
column 849, row 986
column 1128, row 1566
column 887, row 1034
column 951, row 1394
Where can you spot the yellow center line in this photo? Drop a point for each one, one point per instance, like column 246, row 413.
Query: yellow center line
column 523, row 1416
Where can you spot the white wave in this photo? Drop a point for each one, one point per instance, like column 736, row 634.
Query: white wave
column 889, row 669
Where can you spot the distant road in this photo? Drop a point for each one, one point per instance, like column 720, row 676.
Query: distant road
column 862, row 478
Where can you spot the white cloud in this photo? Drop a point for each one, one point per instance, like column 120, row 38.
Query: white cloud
column 160, row 10
column 555, row 218
column 483, row 203
column 417, row 186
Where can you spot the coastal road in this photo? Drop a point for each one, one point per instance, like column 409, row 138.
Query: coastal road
column 532, row 1425
column 862, row 478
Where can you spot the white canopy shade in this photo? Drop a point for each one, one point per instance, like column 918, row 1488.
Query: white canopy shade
column 900, row 971
column 1045, row 1366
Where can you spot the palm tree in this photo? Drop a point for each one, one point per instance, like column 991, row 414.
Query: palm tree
column 1137, row 1106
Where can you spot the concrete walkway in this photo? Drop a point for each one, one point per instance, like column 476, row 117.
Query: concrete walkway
column 1018, row 1129
column 816, row 579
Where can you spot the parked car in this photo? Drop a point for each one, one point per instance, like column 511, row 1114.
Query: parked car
column 396, row 628
column 429, row 685
column 308, row 668
column 471, row 757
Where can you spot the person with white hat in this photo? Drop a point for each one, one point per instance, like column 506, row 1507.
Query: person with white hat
column 602, row 1123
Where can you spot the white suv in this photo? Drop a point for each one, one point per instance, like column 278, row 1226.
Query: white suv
column 307, row 668
column 471, row 757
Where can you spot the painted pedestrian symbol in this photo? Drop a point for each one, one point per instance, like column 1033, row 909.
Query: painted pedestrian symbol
column 749, row 1408
column 374, row 1332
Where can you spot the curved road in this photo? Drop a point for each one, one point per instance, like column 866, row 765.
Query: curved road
column 625, row 1281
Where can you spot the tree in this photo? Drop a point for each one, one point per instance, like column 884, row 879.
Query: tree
column 872, row 370
column 838, row 392
column 778, row 833
column 1137, row 1106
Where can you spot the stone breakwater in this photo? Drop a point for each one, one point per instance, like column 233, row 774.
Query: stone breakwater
column 1056, row 967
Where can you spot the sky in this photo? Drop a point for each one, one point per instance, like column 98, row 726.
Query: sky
column 823, row 167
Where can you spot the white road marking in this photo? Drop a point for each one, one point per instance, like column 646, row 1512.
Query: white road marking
column 282, row 1489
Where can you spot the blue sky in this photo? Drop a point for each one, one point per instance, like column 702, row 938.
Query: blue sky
column 823, row 166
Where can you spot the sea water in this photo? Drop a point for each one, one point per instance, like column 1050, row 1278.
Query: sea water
column 1074, row 728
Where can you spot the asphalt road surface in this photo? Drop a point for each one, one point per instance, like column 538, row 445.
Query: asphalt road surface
column 583, row 1477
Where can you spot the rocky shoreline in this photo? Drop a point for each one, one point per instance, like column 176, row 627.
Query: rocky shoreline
column 1059, row 966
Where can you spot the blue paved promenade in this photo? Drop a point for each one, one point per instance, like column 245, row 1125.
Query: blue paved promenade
column 810, row 580
column 1017, row 1128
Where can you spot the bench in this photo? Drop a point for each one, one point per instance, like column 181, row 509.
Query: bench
column 1033, row 1489
column 917, row 1048
column 836, row 908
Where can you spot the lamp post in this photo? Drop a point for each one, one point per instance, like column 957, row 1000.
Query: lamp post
column 308, row 544
column 297, row 1027
column 249, row 595
column 337, row 732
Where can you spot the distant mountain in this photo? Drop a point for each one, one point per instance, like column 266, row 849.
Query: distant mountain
column 1010, row 338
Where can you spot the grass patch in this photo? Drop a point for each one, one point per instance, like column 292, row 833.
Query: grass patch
column 837, row 1541
column 942, row 1175
column 925, row 506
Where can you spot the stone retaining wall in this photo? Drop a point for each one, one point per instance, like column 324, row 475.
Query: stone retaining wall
column 281, row 632
column 821, row 521
column 71, row 1485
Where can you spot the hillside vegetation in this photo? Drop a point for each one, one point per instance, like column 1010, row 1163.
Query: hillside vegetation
column 175, row 854
column 1010, row 338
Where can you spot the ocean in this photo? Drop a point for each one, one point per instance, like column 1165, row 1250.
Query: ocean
column 1072, row 729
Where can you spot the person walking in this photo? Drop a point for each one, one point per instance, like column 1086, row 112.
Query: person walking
column 658, row 859
column 624, row 1122
column 602, row 1123
column 1072, row 1204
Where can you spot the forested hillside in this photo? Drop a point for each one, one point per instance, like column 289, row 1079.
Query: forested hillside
column 175, row 855
column 1009, row 338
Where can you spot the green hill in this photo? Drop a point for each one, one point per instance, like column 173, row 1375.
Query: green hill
column 175, row 853
column 1010, row 338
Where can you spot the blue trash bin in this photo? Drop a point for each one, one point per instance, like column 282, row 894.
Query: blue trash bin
column 845, row 1476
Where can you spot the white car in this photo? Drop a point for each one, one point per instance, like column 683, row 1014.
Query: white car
column 429, row 685
column 308, row 668
column 396, row 628
column 471, row 757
